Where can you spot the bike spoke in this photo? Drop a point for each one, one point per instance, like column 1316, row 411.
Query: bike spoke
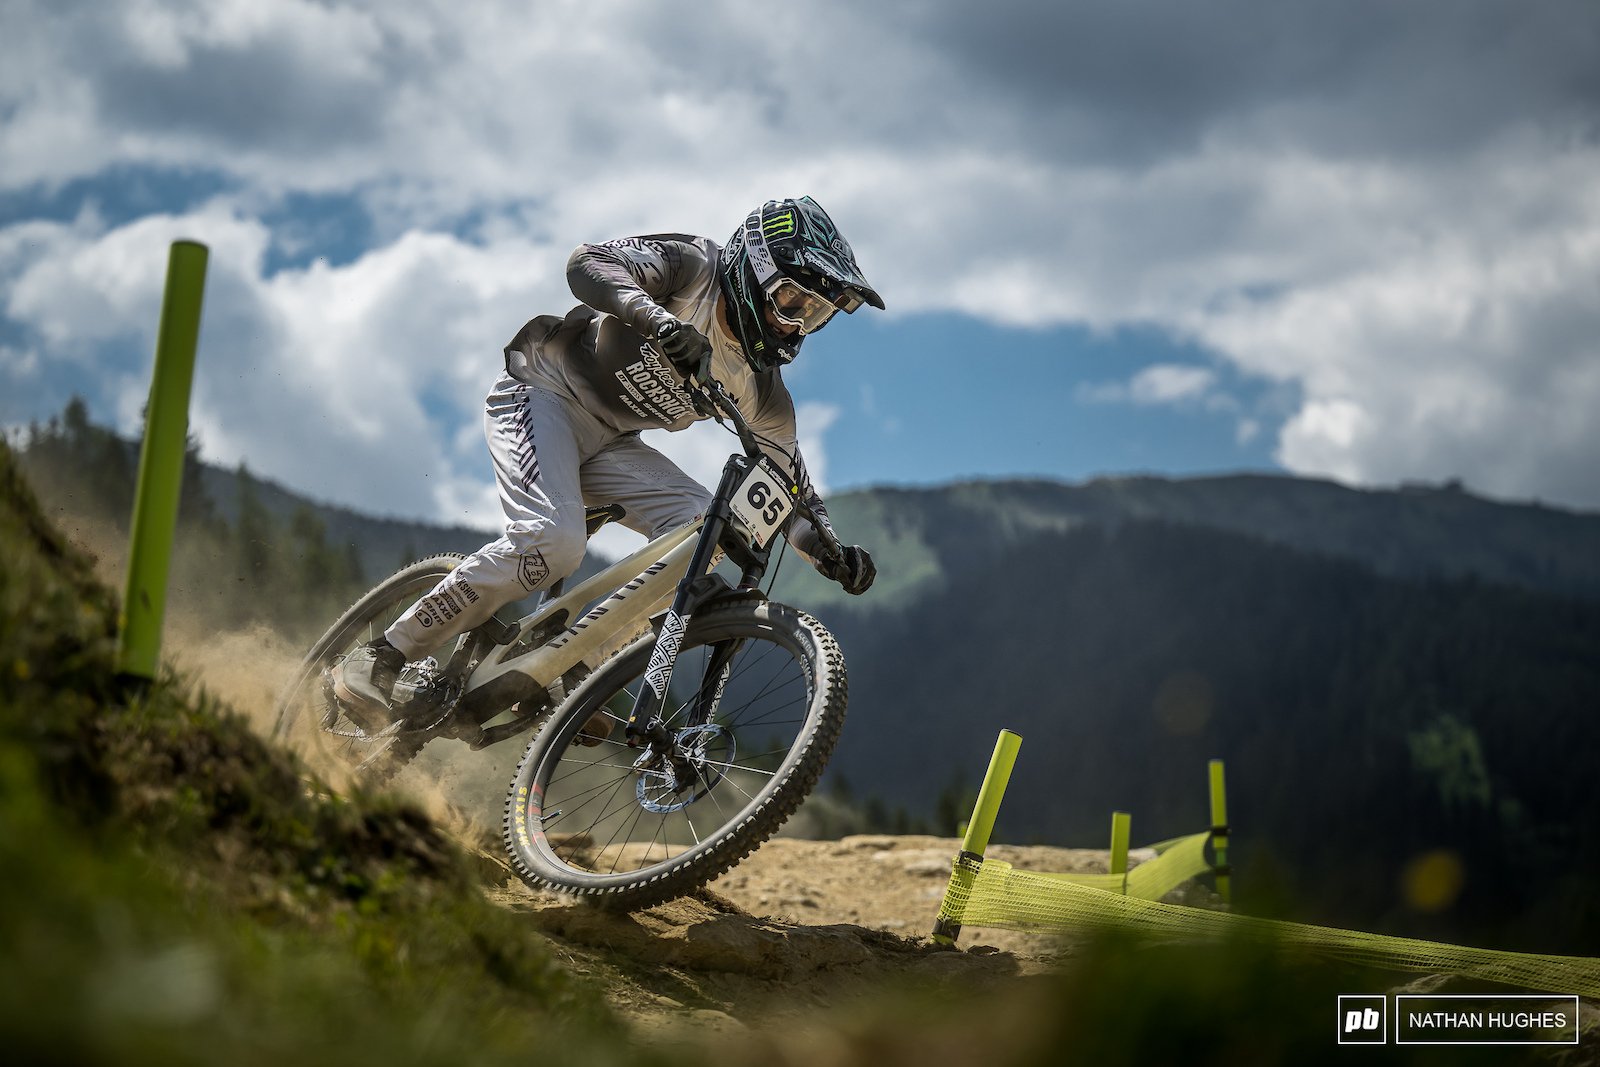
column 625, row 825
column 765, row 718
column 735, row 785
column 568, row 799
column 596, row 791
column 740, row 767
column 623, row 809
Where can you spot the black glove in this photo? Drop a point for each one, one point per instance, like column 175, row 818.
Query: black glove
column 687, row 349
column 853, row 570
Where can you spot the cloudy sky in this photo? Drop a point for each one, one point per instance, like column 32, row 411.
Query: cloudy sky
column 1337, row 237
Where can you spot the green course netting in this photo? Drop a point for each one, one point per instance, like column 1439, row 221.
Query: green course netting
column 1180, row 860
column 990, row 894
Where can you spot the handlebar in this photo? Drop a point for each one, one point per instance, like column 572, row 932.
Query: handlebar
column 720, row 400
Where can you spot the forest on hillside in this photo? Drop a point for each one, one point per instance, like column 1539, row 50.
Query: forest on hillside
column 1372, row 720
column 256, row 568
column 1368, row 723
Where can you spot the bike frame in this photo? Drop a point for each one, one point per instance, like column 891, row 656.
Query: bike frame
column 654, row 570
column 675, row 560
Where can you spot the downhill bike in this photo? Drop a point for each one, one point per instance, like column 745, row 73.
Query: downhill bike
column 730, row 704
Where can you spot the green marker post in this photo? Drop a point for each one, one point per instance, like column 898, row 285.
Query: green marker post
column 166, row 433
column 947, row 927
column 1121, row 828
column 1219, row 832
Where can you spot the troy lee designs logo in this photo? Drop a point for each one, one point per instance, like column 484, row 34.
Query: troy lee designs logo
column 652, row 385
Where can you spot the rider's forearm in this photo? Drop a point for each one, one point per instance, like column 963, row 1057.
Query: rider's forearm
column 803, row 536
column 601, row 276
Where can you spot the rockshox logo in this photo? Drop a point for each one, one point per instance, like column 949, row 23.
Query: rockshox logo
column 666, row 651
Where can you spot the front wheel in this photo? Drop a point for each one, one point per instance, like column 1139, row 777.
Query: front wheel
column 755, row 707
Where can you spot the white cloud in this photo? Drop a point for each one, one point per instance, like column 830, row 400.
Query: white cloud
column 323, row 378
column 812, row 420
column 1403, row 228
column 1167, row 383
column 328, row 379
column 1160, row 383
column 1468, row 350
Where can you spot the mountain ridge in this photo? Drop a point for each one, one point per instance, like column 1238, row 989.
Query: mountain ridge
column 925, row 536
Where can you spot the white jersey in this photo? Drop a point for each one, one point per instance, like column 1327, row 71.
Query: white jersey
column 601, row 355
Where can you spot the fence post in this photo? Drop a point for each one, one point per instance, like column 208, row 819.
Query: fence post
column 947, row 927
column 1219, row 833
column 166, row 435
column 1121, row 827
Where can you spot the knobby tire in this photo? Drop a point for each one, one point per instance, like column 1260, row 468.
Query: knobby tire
column 577, row 819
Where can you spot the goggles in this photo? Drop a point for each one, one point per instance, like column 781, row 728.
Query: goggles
column 794, row 304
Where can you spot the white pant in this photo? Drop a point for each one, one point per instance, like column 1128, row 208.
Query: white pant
column 551, row 458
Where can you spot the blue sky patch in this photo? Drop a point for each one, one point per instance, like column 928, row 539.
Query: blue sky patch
column 119, row 194
column 945, row 397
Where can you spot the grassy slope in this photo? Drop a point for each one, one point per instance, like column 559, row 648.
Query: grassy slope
column 174, row 893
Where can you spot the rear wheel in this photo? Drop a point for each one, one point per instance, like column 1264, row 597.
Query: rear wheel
column 756, row 705
column 309, row 717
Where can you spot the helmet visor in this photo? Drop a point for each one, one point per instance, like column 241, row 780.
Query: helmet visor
column 796, row 305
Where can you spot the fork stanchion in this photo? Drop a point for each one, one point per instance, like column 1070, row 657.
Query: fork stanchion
column 1219, row 832
column 947, row 927
column 166, row 434
column 1121, row 828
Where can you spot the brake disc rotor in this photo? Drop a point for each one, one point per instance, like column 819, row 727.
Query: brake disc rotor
column 699, row 757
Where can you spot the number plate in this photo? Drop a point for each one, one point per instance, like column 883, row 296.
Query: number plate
column 761, row 502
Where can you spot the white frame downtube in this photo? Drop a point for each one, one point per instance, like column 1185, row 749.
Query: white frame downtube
column 656, row 568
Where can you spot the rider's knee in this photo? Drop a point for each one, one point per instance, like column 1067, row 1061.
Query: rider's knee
column 560, row 546
column 688, row 506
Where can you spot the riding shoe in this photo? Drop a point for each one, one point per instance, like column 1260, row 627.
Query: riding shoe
column 365, row 682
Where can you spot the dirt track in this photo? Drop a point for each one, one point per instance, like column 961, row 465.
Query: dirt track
column 798, row 926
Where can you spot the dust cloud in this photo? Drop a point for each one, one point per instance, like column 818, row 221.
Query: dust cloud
column 247, row 669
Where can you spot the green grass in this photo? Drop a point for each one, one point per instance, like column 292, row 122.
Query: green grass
column 174, row 892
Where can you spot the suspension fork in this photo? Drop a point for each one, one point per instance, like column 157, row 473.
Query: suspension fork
column 646, row 724
column 711, row 685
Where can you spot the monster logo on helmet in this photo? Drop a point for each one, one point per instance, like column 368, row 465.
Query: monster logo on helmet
column 788, row 259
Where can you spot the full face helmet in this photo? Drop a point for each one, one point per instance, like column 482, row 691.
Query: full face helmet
column 788, row 260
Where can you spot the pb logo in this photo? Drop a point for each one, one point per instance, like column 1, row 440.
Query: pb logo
column 1362, row 1020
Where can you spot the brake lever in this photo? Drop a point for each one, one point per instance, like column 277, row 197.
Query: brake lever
column 703, row 406
column 703, row 395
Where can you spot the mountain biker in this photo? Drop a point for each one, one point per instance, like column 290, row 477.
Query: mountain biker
column 563, row 421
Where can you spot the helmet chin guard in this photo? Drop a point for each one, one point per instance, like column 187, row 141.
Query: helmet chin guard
column 788, row 260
